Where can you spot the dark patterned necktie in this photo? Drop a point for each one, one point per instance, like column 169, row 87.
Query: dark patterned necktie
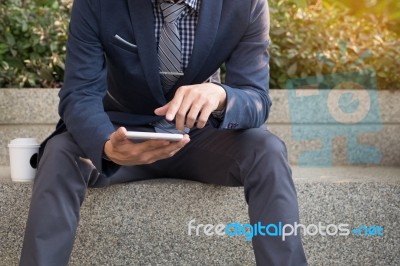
column 169, row 48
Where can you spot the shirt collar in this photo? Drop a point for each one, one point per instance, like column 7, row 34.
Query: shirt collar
column 194, row 4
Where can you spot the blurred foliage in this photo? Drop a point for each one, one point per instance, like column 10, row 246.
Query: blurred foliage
column 324, row 39
column 387, row 11
column 309, row 38
column 32, row 42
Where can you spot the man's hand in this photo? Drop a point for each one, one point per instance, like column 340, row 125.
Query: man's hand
column 123, row 151
column 193, row 105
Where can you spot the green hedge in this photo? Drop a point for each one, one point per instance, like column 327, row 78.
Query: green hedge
column 32, row 42
column 326, row 39
column 306, row 41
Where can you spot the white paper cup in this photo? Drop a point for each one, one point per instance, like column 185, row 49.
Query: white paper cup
column 23, row 158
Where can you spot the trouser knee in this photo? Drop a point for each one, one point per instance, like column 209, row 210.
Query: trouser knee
column 60, row 161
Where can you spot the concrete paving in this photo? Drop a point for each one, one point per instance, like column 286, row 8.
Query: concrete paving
column 146, row 223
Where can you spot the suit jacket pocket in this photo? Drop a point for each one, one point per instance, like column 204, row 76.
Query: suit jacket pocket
column 124, row 44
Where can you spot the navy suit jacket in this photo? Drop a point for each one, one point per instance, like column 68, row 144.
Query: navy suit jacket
column 111, row 82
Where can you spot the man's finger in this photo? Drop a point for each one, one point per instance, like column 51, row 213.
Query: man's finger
column 161, row 111
column 152, row 144
column 175, row 104
column 183, row 111
column 160, row 153
column 203, row 118
column 193, row 114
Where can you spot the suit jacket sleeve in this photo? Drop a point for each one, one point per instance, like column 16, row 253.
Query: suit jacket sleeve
column 81, row 106
column 247, row 74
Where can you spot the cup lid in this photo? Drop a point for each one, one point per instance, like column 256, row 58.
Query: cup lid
column 23, row 142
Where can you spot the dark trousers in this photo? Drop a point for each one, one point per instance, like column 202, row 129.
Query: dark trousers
column 254, row 158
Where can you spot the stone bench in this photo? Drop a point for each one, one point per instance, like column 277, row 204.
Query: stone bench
column 146, row 223
column 33, row 113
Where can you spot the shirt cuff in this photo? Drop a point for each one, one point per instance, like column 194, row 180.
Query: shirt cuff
column 219, row 114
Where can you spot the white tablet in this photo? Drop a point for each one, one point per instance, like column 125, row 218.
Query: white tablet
column 137, row 135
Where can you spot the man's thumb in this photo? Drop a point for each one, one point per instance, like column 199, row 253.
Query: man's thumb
column 120, row 134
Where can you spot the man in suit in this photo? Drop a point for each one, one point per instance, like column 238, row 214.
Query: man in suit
column 131, row 66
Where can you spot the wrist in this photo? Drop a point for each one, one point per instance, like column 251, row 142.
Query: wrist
column 222, row 102
column 222, row 97
column 107, row 150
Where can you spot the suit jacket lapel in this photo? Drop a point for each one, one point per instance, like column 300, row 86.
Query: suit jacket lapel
column 142, row 20
column 206, row 31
